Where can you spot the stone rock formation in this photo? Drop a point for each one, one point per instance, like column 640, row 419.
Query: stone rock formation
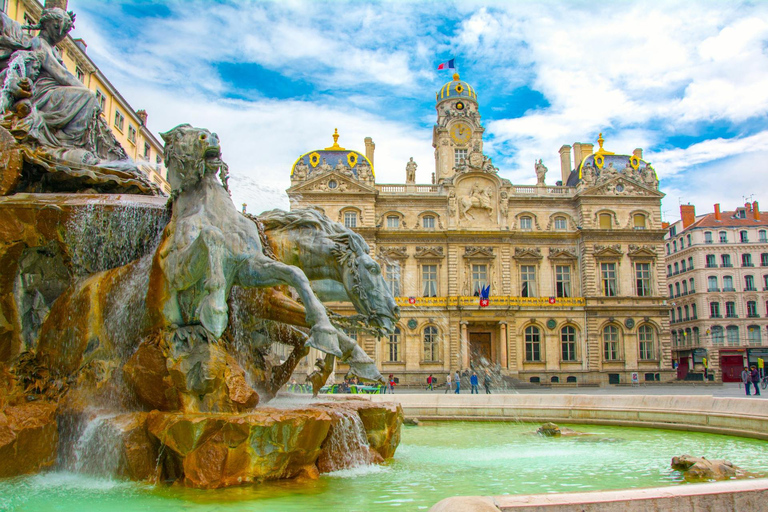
column 28, row 438
column 553, row 430
column 700, row 469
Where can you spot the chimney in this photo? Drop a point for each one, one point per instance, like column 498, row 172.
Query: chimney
column 756, row 210
column 565, row 162
column 638, row 152
column 665, row 225
column 369, row 148
column 143, row 116
column 717, row 212
column 61, row 4
column 687, row 214
column 577, row 156
column 586, row 150
column 80, row 43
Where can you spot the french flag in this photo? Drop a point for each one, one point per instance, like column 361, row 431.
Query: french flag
column 485, row 295
column 451, row 64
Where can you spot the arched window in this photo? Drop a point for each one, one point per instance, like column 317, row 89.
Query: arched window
column 639, row 220
column 732, row 335
column 677, row 268
column 431, row 344
column 727, row 283
column 611, row 343
column 717, row 335
column 568, row 343
column 393, row 346
column 753, row 335
column 762, row 236
column 690, row 263
column 645, row 338
column 532, row 344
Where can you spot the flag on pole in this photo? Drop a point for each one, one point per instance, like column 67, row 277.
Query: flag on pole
column 451, row 64
column 484, row 296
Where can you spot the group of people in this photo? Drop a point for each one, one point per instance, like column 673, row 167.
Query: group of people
column 751, row 377
column 453, row 383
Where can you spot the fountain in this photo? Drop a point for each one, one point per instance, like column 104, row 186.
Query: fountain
column 135, row 329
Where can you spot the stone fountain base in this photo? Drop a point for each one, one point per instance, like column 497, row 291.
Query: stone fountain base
column 205, row 450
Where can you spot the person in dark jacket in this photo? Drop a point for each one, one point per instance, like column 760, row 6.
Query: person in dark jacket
column 473, row 383
column 755, row 377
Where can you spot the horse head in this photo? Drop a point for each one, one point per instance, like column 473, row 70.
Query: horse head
column 364, row 283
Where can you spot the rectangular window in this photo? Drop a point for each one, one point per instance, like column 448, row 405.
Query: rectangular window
column 732, row 335
column 119, row 120
column 528, row 281
column 762, row 235
column 80, row 75
column 431, row 344
column 560, row 224
column 459, row 155
column 131, row 134
column 751, row 309
column 714, row 310
column 479, row 278
column 764, row 259
column 562, row 280
column 100, row 99
column 605, row 221
column 568, row 343
column 707, row 237
column 428, row 222
column 723, row 237
column 643, row 279
column 429, row 280
column 645, row 338
column 730, row 309
column 749, row 284
column 744, row 237
column 611, row 343
column 393, row 278
column 532, row 344
column 712, row 284
column 728, row 284
column 147, row 151
column 746, row 260
column 393, row 346
column 711, row 261
column 726, row 259
column 608, row 271
column 526, row 223
column 393, row 221
column 350, row 219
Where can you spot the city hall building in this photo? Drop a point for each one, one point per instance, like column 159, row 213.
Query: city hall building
column 575, row 270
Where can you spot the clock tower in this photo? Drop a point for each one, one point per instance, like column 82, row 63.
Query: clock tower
column 458, row 132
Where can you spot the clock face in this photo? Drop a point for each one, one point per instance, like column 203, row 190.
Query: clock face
column 461, row 133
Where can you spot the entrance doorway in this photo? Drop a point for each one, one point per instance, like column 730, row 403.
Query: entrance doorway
column 480, row 348
column 731, row 367
column 682, row 368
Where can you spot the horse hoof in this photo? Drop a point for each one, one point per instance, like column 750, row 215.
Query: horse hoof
column 324, row 341
column 213, row 318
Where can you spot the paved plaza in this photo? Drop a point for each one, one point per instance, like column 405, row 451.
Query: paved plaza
column 717, row 390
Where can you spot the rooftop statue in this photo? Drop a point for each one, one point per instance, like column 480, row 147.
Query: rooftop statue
column 54, row 118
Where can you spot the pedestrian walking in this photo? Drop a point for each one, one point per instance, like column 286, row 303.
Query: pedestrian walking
column 755, row 377
column 746, row 378
column 761, row 367
column 448, row 383
column 473, row 383
column 391, row 383
column 430, row 381
column 457, row 377
column 487, row 382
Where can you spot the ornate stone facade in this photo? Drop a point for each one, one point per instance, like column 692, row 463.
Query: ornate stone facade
column 576, row 270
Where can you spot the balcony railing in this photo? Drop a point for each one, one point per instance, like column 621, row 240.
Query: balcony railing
column 500, row 300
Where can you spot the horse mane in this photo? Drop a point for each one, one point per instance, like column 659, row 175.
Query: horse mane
column 281, row 220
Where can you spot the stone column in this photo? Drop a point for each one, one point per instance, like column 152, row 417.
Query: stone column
column 464, row 350
column 503, row 343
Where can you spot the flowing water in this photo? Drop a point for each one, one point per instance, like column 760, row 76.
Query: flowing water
column 434, row 461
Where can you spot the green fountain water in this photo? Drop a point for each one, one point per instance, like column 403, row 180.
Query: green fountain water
column 434, row 461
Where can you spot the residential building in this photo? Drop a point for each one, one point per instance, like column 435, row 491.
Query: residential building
column 575, row 270
column 128, row 125
column 717, row 269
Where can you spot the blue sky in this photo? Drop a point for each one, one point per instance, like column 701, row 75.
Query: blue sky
column 686, row 81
